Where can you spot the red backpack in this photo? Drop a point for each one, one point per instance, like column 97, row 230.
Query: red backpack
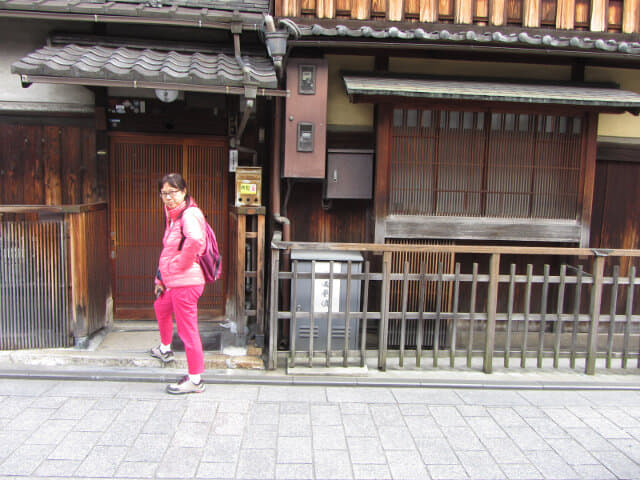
column 210, row 261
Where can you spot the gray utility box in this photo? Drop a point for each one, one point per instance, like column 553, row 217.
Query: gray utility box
column 349, row 174
column 321, row 299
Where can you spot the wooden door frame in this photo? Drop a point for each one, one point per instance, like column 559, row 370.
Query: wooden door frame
column 159, row 138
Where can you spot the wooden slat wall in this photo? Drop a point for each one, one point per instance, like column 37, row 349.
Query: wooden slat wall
column 49, row 165
column 594, row 15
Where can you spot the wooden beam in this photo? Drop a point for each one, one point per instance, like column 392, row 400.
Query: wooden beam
column 531, row 13
column 326, row 8
column 360, row 9
column 599, row 15
column 589, row 174
column 385, row 113
column 498, row 12
column 428, row 10
column 566, row 14
column 631, row 16
column 395, row 9
column 464, row 11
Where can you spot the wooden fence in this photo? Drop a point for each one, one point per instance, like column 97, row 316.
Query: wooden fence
column 581, row 308
column 54, row 275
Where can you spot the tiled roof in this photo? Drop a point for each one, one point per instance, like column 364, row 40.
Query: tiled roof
column 398, row 85
column 193, row 12
column 127, row 64
column 470, row 37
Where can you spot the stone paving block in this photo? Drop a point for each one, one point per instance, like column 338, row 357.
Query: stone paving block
column 407, row 465
column 9, row 387
column 492, row 398
column 436, row 452
column 332, row 465
column 143, row 391
column 148, row 448
column 18, row 464
column 447, row 472
column 51, row 432
column 504, row 451
column 75, row 446
column 96, row 421
column 216, row 470
column 359, row 426
column 179, row 462
column 551, row 465
column 371, row 472
column 74, row 408
column 294, row 471
column 136, row 411
column 472, row 410
column 480, row 465
column 200, row 412
column 590, row 439
column 296, row 425
column 564, row 418
column 606, row 428
column 191, row 434
column 527, row 439
column 547, row 428
column 396, row 438
column 428, row 396
column 619, row 464
column 47, row 402
column 57, row 468
column 521, row 471
column 295, row 408
column 571, row 451
column 111, row 404
column 447, row 416
column 507, row 417
column 270, row 393
column 13, row 406
column 354, row 408
column 629, row 446
column 366, row 450
column 486, row 427
column 121, row 433
column 230, row 393
column 102, row 461
column 11, row 441
column 264, row 413
column 529, row 411
column 225, row 449
column 386, row 415
column 413, row 409
column 423, row 427
column 619, row 417
column 294, row 450
column 582, row 411
column 328, row 437
column 235, row 406
column 260, row 436
column 73, row 388
column 594, row 472
column 325, row 414
column 361, row 394
column 136, row 470
column 611, row 398
column 550, row 398
column 253, row 463
column 162, row 421
column 462, row 438
column 29, row 419
column 229, row 424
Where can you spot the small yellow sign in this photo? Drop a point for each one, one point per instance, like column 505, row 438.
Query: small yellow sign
column 248, row 188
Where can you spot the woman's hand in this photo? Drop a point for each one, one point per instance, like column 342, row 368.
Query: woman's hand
column 158, row 290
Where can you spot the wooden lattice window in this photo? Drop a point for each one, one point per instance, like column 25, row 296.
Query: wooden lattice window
column 485, row 164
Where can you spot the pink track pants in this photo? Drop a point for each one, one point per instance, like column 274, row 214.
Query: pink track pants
column 183, row 302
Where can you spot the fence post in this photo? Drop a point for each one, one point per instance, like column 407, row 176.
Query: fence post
column 594, row 310
column 492, row 306
column 273, row 309
column 383, row 328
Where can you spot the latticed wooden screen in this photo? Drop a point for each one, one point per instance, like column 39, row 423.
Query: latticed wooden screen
column 485, row 164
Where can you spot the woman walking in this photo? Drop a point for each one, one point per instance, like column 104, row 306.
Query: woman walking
column 179, row 282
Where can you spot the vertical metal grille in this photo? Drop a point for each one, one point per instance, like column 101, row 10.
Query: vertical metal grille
column 484, row 164
column 33, row 285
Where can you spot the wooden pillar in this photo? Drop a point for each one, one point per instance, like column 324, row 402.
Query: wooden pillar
column 492, row 308
column 599, row 15
column 566, row 14
column 428, row 10
column 464, row 11
column 531, row 13
column 631, row 16
column 594, row 311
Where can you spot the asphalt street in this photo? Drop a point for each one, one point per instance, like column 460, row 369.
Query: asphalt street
column 108, row 429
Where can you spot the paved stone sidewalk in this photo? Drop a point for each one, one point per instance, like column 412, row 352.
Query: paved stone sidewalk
column 91, row 429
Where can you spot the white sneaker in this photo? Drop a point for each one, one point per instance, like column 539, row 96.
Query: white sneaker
column 185, row 385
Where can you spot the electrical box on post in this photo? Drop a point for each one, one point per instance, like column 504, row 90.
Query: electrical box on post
column 349, row 174
column 306, row 119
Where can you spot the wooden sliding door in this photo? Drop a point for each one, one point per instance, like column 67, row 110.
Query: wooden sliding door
column 138, row 162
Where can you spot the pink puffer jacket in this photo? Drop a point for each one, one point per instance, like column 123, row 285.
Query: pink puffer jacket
column 179, row 268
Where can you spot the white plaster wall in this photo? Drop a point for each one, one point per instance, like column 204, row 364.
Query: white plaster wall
column 18, row 38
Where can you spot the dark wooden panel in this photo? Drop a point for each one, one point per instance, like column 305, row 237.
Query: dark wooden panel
column 71, row 151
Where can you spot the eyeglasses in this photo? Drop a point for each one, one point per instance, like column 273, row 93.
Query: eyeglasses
column 169, row 193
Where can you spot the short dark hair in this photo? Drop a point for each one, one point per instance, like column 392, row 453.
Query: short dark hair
column 173, row 179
